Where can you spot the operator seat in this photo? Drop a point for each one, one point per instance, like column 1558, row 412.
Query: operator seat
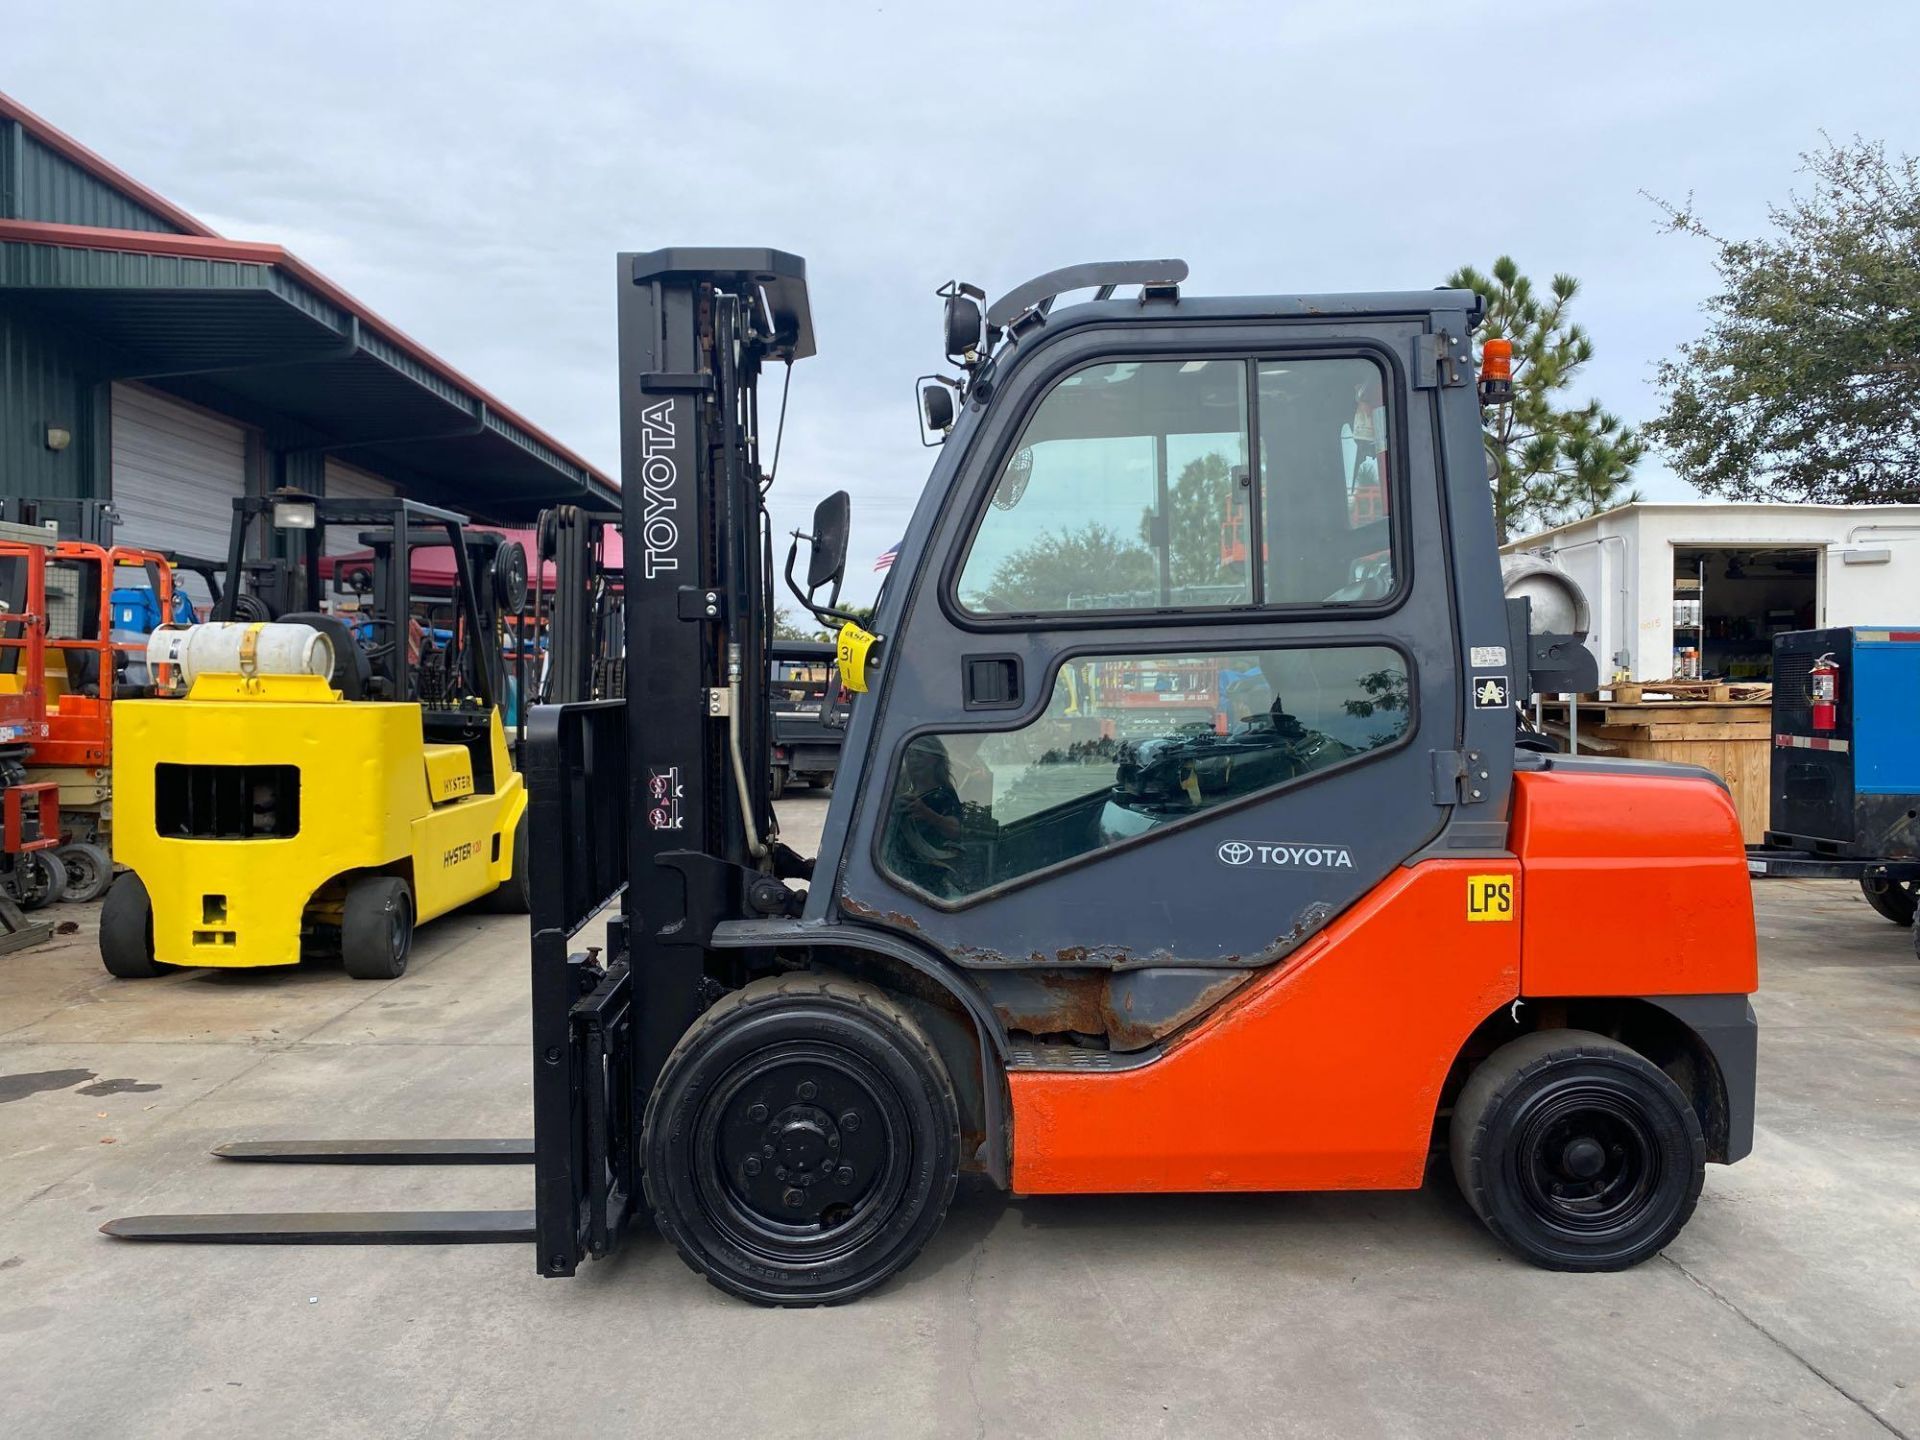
column 352, row 673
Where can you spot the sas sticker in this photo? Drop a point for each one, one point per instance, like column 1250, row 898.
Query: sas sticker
column 853, row 646
column 1490, row 897
column 1490, row 692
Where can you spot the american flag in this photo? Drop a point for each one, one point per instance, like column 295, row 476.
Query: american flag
column 887, row 557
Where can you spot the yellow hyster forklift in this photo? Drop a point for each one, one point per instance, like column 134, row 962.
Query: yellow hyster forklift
column 1183, row 839
column 328, row 777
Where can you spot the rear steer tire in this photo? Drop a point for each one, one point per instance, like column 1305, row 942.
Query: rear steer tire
column 1577, row 1152
column 803, row 1142
column 126, row 931
column 778, row 785
column 513, row 896
column 1895, row 900
column 376, row 928
column 39, row 879
column 89, row 869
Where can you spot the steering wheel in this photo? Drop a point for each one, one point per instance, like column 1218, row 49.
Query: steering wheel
column 376, row 650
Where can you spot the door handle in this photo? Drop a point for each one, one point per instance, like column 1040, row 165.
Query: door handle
column 991, row 682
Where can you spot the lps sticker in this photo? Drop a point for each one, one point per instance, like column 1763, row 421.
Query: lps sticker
column 1490, row 897
column 1485, row 657
column 1285, row 855
column 1489, row 692
column 666, row 791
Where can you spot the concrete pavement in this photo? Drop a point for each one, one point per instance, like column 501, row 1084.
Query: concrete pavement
column 1790, row 1306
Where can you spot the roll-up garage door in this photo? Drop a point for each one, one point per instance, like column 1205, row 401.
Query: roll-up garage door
column 176, row 471
column 352, row 483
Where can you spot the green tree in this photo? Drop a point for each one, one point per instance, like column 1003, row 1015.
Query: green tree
column 786, row 627
column 1550, row 462
column 1806, row 384
column 1060, row 567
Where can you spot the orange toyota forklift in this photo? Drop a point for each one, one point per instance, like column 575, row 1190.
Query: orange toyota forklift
column 1154, row 863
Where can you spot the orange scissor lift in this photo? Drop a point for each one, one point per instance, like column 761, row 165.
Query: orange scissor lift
column 61, row 668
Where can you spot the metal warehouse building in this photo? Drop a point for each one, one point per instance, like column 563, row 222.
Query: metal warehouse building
column 146, row 361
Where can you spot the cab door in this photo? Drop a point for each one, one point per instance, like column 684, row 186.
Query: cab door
column 1165, row 691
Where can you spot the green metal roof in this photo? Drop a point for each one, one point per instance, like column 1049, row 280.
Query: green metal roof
column 247, row 328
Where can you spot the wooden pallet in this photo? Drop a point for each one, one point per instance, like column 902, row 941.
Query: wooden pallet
column 1683, row 690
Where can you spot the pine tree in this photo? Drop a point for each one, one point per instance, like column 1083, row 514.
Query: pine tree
column 1548, row 463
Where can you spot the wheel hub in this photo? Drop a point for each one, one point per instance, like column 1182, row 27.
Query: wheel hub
column 1588, row 1164
column 804, row 1144
column 1583, row 1158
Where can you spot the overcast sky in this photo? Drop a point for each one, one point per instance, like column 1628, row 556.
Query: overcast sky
column 469, row 170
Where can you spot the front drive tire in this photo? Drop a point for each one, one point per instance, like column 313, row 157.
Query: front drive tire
column 126, row 931
column 376, row 928
column 803, row 1142
column 1577, row 1152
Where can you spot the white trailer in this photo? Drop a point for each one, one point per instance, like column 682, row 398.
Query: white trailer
column 1705, row 585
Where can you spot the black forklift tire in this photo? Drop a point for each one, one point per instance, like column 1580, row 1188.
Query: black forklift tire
column 1895, row 900
column 126, row 931
column 512, row 896
column 779, row 786
column 89, row 869
column 39, row 879
column 1577, row 1152
column 376, row 928
column 803, row 1141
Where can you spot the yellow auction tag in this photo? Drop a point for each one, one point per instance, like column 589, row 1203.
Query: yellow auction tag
column 854, row 644
column 1490, row 897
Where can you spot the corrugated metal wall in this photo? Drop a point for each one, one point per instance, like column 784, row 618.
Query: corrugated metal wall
column 38, row 184
column 42, row 383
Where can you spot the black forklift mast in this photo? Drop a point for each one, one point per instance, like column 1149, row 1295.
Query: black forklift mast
column 691, row 841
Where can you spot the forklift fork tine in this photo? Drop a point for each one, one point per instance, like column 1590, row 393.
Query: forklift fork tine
column 379, row 1152
column 340, row 1227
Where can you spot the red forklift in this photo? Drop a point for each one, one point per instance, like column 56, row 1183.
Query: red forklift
column 1344, row 933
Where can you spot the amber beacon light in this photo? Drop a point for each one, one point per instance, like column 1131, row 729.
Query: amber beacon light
column 1496, row 372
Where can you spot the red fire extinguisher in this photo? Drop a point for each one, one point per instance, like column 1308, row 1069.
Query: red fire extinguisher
column 1823, row 683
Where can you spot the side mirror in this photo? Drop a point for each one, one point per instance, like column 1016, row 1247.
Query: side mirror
column 965, row 325
column 832, row 521
column 936, row 400
column 827, row 564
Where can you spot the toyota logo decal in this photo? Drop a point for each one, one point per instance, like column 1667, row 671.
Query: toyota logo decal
column 1236, row 852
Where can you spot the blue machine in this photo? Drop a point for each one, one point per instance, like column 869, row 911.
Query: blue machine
column 1846, row 774
column 137, row 608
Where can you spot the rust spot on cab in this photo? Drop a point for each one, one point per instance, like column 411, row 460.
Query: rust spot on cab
column 896, row 919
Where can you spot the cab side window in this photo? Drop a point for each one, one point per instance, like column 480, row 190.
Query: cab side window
column 1325, row 467
column 1119, row 495
column 1148, row 486
column 1129, row 744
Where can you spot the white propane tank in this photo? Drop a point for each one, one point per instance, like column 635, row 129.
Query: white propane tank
column 234, row 647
